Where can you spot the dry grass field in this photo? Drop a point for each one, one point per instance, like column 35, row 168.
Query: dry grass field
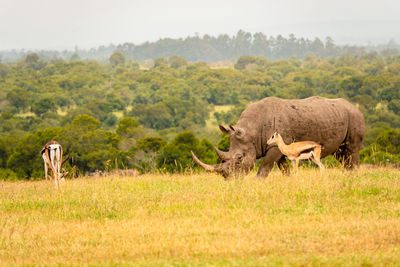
column 339, row 218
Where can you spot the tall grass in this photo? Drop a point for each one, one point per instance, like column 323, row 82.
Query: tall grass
column 338, row 218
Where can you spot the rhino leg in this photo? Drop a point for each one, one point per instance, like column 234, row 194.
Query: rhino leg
column 284, row 166
column 348, row 152
column 350, row 149
column 273, row 155
column 348, row 156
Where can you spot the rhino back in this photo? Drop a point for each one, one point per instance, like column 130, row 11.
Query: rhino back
column 318, row 119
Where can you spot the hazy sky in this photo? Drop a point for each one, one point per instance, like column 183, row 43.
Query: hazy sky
column 56, row 24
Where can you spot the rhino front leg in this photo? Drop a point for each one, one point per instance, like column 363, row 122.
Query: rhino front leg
column 273, row 155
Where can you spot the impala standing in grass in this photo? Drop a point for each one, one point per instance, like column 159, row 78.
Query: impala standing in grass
column 52, row 157
column 298, row 150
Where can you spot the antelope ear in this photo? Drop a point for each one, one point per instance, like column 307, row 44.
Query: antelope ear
column 224, row 129
column 232, row 128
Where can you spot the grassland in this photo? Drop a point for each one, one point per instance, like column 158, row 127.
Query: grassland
column 338, row 218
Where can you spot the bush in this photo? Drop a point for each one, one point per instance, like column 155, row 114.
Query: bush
column 371, row 155
column 44, row 105
column 176, row 156
column 144, row 154
column 7, row 174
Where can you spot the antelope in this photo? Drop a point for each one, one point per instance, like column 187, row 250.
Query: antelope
column 298, row 150
column 52, row 157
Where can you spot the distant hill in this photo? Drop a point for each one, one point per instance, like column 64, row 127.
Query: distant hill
column 344, row 32
column 214, row 48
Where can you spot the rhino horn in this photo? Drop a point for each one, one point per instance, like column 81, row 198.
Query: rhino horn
column 222, row 154
column 206, row 167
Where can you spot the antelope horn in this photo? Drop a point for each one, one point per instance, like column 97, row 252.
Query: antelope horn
column 65, row 160
column 206, row 167
column 222, row 154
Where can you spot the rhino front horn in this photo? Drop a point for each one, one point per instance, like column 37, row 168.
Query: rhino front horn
column 206, row 167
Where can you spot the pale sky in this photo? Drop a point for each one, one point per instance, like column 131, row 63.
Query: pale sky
column 56, row 24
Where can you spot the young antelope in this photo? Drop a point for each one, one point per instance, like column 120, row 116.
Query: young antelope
column 298, row 150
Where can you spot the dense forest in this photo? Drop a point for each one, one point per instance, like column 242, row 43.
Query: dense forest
column 119, row 115
column 213, row 49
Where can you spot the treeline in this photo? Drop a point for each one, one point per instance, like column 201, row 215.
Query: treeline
column 91, row 148
column 225, row 48
column 215, row 48
column 101, row 54
column 118, row 115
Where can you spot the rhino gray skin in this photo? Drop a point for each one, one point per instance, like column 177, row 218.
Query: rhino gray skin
column 335, row 123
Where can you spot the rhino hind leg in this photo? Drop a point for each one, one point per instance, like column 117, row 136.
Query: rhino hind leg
column 348, row 152
column 284, row 166
column 348, row 156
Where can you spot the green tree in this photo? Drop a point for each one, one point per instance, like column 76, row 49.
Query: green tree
column 32, row 58
column 99, row 108
column 144, row 154
column 3, row 70
column 394, row 105
column 90, row 147
column 351, row 86
column 390, row 92
column 117, row 58
column 389, row 141
column 19, row 98
column 156, row 116
column 6, row 148
column 160, row 62
column 151, row 144
column 44, row 105
column 176, row 157
column 244, row 61
column 85, row 123
column 33, row 62
column 114, row 102
column 74, row 57
column 177, row 62
column 127, row 127
column 110, row 120
column 366, row 100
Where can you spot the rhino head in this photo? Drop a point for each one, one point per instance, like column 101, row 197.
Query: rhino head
column 240, row 158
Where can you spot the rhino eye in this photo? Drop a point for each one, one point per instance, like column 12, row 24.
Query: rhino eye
column 239, row 156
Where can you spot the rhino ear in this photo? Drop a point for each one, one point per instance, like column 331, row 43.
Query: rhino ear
column 239, row 132
column 224, row 129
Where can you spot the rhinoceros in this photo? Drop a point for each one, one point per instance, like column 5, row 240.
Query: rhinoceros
column 335, row 123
